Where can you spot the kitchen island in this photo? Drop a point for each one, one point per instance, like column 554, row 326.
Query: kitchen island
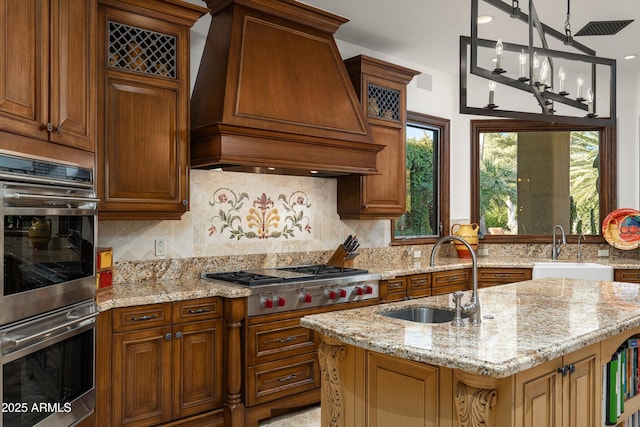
column 537, row 358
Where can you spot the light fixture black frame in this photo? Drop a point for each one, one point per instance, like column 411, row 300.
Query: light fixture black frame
column 542, row 98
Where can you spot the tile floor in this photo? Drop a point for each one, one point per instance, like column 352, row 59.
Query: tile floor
column 305, row 418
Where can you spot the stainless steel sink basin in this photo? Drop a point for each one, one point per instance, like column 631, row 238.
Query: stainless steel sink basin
column 423, row 315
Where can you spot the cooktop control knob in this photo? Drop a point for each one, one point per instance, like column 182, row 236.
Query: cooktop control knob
column 266, row 302
column 362, row 290
column 358, row 291
column 331, row 294
column 306, row 298
column 280, row 301
column 342, row 293
column 368, row 290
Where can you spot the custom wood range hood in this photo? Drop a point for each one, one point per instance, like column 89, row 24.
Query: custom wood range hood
column 273, row 95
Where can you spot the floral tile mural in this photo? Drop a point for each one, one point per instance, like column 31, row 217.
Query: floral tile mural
column 238, row 215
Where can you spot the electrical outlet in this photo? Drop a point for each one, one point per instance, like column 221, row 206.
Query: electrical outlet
column 417, row 254
column 160, row 247
column 483, row 252
column 603, row 252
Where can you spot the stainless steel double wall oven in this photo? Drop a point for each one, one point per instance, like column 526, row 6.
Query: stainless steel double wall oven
column 47, row 308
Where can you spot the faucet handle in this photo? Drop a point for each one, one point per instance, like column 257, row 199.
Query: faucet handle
column 457, row 300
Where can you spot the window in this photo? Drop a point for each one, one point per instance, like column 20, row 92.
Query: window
column 427, row 189
column 528, row 176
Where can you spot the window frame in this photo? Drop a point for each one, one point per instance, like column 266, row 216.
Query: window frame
column 608, row 172
column 442, row 125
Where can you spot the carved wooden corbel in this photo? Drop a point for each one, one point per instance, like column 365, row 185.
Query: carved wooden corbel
column 476, row 400
column 331, row 353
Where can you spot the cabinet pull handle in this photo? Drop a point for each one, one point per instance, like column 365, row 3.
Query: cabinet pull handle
column 564, row 371
column 287, row 378
column 178, row 335
column 287, row 339
column 143, row 318
column 200, row 310
column 394, row 285
column 59, row 129
column 452, row 278
column 167, row 337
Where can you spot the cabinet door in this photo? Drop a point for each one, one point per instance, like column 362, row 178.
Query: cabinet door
column 24, row 63
column 500, row 276
column 402, row 393
column 141, row 378
column 197, row 367
column 72, row 95
column 142, row 148
column 580, row 391
column 539, row 396
column 632, row 276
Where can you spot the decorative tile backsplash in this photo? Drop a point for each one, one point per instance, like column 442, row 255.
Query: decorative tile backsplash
column 261, row 217
column 234, row 213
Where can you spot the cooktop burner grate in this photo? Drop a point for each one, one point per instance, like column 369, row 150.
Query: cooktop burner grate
column 284, row 274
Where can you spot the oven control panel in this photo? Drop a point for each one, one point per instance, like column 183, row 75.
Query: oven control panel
column 274, row 300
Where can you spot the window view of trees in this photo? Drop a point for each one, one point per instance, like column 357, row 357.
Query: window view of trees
column 499, row 182
column 421, row 216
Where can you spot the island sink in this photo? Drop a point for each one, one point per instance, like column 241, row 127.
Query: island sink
column 423, row 315
column 572, row 270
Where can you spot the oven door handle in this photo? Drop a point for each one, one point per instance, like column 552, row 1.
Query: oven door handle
column 18, row 342
column 19, row 196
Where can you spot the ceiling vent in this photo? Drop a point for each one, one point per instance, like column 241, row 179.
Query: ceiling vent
column 603, row 28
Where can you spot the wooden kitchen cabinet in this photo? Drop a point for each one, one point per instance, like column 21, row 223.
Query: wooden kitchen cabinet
column 445, row 282
column 49, row 74
column 488, row 276
column 405, row 287
column 563, row 392
column 143, row 108
column 632, row 276
column 167, row 363
column 381, row 87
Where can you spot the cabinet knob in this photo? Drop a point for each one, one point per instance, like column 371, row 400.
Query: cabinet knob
column 572, row 368
column 49, row 127
column 167, row 337
column 59, row 129
column 178, row 335
column 185, row 202
column 564, row 371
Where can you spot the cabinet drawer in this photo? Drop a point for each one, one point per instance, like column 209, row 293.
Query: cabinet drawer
column 419, row 281
column 393, row 289
column 501, row 276
column 197, row 309
column 277, row 340
column 287, row 377
column 453, row 277
column 141, row 317
column 632, row 276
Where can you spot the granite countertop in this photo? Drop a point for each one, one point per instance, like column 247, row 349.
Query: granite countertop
column 125, row 295
column 391, row 271
column 151, row 292
column 524, row 324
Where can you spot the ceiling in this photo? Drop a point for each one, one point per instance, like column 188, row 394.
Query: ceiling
column 426, row 32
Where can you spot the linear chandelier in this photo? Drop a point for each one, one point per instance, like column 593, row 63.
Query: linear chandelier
column 536, row 70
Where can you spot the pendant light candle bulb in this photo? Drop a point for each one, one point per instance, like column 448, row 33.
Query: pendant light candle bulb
column 579, row 82
column 492, row 91
column 499, row 50
column 544, row 73
column 536, row 63
column 590, row 101
column 562, row 76
column 523, row 63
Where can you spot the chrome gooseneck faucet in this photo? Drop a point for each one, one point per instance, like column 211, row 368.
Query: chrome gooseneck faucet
column 473, row 307
column 555, row 246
